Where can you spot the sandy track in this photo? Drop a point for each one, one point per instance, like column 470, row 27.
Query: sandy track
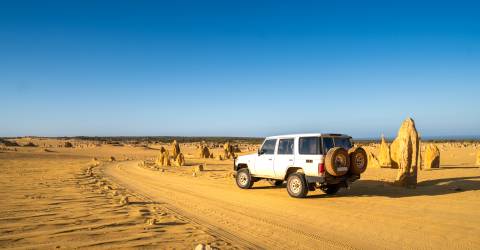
column 230, row 212
column 386, row 217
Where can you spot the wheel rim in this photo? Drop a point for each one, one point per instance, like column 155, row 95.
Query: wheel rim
column 359, row 160
column 243, row 179
column 295, row 185
column 340, row 161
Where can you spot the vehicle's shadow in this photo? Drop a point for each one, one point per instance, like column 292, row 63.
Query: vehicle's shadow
column 387, row 189
column 266, row 186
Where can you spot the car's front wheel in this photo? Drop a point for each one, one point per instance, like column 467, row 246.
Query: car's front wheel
column 244, row 179
column 297, row 185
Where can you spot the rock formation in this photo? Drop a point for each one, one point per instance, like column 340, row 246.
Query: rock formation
column 163, row 159
column 180, row 160
column 166, row 158
column 204, row 152
column 228, row 151
column 373, row 161
column 404, row 153
column 175, row 149
column 384, row 158
column 432, row 157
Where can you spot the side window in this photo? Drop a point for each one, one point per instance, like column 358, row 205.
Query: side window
column 309, row 146
column 268, row 147
column 327, row 143
column 285, row 147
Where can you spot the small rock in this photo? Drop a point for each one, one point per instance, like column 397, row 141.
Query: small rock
column 124, row 200
column 204, row 247
column 151, row 221
column 197, row 169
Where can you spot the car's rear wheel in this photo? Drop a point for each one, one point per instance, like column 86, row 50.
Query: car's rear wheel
column 297, row 185
column 330, row 189
column 244, row 179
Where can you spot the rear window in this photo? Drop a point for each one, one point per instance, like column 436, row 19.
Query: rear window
column 327, row 144
column 309, row 146
column 343, row 142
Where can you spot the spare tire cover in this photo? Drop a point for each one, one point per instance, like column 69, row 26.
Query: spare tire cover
column 337, row 161
column 358, row 160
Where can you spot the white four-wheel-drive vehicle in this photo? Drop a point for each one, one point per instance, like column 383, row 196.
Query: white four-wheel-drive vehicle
column 305, row 161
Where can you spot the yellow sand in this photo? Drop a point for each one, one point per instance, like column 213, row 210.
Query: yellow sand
column 63, row 199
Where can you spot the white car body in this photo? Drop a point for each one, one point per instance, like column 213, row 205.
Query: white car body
column 278, row 164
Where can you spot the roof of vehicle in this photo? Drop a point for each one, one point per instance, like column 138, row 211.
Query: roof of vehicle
column 307, row 135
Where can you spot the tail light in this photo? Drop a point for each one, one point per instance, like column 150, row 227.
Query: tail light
column 321, row 168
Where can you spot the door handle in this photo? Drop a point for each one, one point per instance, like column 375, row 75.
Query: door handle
column 270, row 159
column 290, row 160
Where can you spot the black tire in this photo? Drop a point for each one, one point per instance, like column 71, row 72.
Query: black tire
column 330, row 189
column 244, row 179
column 358, row 160
column 337, row 161
column 297, row 185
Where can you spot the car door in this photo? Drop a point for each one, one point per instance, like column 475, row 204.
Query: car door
column 264, row 162
column 309, row 154
column 284, row 156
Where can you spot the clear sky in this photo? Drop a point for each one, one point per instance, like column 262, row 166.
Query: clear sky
column 238, row 68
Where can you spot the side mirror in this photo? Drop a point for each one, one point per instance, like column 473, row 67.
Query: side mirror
column 260, row 152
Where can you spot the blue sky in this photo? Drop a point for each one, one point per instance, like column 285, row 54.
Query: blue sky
column 238, row 68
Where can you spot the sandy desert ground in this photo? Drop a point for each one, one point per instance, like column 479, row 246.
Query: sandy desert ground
column 58, row 197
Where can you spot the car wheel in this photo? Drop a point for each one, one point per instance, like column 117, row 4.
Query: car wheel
column 331, row 189
column 297, row 185
column 244, row 179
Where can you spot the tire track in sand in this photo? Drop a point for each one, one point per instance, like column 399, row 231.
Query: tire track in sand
column 237, row 221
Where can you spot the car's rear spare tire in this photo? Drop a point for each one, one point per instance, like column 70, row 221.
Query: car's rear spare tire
column 358, row 160
column 337, row 161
